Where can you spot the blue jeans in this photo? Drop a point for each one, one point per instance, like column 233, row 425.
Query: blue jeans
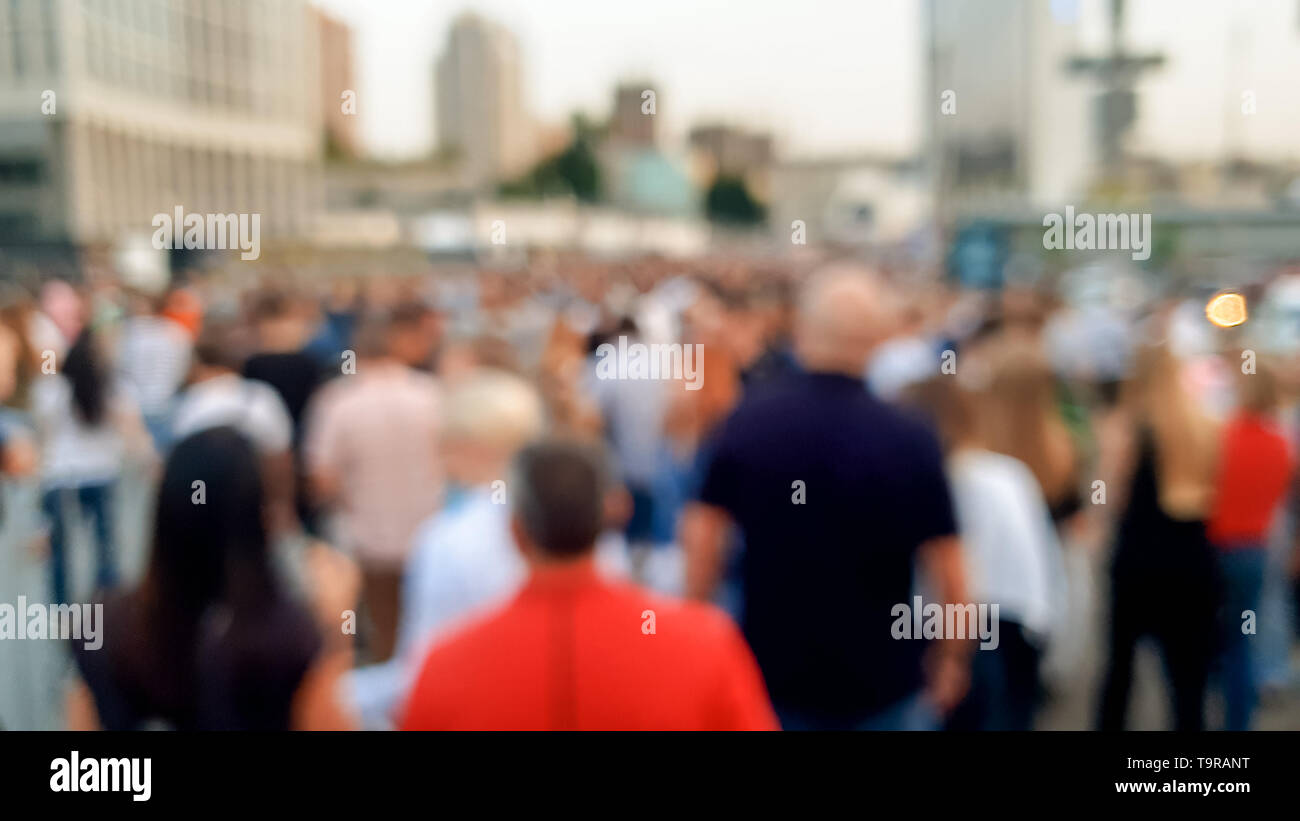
column 95, row 502
column 1243, row 571
column 914, row 713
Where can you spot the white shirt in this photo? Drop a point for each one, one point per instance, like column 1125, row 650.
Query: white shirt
column 153, row 357
column 74, row 453
column 464, row 562
column 1013, row 556
column 251, row 407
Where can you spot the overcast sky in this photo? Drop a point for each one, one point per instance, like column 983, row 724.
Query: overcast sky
column 824, row 76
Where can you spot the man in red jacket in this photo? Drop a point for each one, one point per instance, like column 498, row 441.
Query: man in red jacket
column 572, row 651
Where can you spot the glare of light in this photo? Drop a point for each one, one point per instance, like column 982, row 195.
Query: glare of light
column 1226, row 310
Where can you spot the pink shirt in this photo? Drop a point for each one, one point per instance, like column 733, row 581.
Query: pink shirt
column 377, row 430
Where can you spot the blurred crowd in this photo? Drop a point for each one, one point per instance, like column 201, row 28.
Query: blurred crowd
column 387, row 502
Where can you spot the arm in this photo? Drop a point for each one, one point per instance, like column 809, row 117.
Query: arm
column 335, row 582
column 316, row 705
column 948, row 664
column 703, row 534
column 79, row 708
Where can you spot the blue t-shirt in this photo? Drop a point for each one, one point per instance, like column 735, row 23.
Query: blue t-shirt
column 821, row 577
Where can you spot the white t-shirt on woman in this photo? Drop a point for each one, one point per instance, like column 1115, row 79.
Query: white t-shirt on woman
column 74, row 453
column 1013, row 555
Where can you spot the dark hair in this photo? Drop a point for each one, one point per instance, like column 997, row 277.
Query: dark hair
column 218, row 345
column 409, row 314
column 210, row 557
column 209, row 535
column 271, row 304
column 89, row 380
column 559, row 492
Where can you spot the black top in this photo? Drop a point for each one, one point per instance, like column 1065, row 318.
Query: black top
column 295, row 376
column 821, row 578
column 1158, row 557
column 239, row 674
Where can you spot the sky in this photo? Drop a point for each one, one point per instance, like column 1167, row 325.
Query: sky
column 824, row 76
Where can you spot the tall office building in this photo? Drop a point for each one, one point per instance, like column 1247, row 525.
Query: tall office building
column 480, row 107
column 1005, row 116
column 112, row 111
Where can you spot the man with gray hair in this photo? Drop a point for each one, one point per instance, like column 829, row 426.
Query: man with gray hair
column 835, row 494
column 574, row 651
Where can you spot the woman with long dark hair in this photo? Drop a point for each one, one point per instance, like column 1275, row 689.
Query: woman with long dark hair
column 211, row 639
column 86, row 430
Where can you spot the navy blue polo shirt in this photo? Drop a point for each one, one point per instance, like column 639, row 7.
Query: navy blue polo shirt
column 820, row 578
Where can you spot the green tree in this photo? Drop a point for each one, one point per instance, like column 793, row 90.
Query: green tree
column 728, row 201
column 574, row 171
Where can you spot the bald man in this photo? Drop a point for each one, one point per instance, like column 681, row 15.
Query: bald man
column 836, row 496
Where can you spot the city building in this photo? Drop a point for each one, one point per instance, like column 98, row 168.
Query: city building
column 631, row 122
column 481, row 118
column 1004, row 115
column 337, row 86
column 112, row 112
column 731, row 151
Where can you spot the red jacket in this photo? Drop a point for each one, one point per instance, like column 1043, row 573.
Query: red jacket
column 1255, row 467
column 574, row 652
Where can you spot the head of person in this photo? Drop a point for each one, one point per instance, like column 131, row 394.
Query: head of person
column 218, row 350
column 845, row 311
column 412, row 333
column 744, row 321
column 85, row 372
column 370, row 337
column 951, row 408
column 559, row 491
column 489, row 416
column 210, row 537
column 279, row 325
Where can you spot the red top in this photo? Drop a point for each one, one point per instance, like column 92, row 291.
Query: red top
column 574, row 652
column 1255, row 466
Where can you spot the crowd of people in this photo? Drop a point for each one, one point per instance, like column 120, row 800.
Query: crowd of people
column 419, row 502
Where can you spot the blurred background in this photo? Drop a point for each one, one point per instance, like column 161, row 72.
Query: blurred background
column 536, row 177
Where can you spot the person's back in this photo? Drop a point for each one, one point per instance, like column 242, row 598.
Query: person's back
column 243, row 673
column 75, row 451
column 377, row 431
column 834, row 492
column 294, row 375
column 573, row 652
column 835, row 495
column 153, row 356
column 1012, row 550
column 211, row 638
column 1253, row 476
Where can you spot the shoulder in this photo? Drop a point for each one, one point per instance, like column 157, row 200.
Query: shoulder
column 697, row 628
column 466, row 644
column 444, row 533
